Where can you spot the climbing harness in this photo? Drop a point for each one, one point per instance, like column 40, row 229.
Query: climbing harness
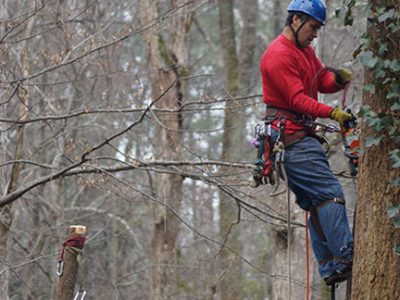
column 75, row 246
column 264, row 173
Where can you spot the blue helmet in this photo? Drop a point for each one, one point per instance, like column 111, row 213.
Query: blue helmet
column 314, row 8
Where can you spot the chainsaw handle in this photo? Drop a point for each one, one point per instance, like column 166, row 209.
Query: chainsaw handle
column 352, row 123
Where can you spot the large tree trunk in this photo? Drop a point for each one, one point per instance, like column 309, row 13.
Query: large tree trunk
column 376, row 270
column 229, row 287
column 237, row 70
column 168, row 57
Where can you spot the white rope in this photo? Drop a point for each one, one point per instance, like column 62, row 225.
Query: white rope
column 289, row 230
column 279, row 150
column 289, row 246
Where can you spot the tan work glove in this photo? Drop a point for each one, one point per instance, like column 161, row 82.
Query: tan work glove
column 343, row 76
column 341, row 117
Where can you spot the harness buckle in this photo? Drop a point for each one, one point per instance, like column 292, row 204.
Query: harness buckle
column 281, row 128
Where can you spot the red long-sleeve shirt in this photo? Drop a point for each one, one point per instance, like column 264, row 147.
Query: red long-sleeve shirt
column 287, row 75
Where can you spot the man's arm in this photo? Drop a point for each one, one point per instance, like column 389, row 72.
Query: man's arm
column 283, row 76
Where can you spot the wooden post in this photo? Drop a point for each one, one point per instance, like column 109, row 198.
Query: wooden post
column 68, row 266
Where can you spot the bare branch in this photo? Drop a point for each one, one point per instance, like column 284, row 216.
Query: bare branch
column 104, row 46
column 11, row 197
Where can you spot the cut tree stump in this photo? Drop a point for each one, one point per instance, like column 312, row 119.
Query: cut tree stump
column 68, row 265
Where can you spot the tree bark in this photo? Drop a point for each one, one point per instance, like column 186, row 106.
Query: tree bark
column 376, row 267
column 237, row 73
column 168, row 58
column 229, row 287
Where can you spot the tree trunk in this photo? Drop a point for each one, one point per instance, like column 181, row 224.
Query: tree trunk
column 278, row 24
column 376, row 269
column 229, row 287
column 237, row 72
column 168, row 58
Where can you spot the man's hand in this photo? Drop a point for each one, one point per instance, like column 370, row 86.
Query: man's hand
column 341, row 117
column 343, row 76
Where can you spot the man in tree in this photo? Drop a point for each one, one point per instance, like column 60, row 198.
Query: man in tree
column 292, row 76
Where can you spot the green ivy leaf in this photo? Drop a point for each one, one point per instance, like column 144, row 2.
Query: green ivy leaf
column 368, row 59
column 397, row 163
column 394, row 27
column 382, row 49
column 392, row 131
column 364, row 110
column 372, row 141
column 398, row 249
column 395, row 157
column 387, row 15
column 395, row 106
column 386, row 121
column 393, row 211
column 372, row 114
column 393, row 65
column 370, row 88
column 396, row 222
column 387, row 80
column 394, row 90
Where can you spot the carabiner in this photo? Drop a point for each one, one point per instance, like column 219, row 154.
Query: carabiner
column 60, row 267
column 80, row 295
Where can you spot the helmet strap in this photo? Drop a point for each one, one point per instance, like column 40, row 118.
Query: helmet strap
column 296, row 32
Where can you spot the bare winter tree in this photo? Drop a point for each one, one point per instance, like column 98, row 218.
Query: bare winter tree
column 168, row 65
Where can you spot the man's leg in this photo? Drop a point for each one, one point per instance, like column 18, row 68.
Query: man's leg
column 335, row 225
column 312, row 180
column 326, row 266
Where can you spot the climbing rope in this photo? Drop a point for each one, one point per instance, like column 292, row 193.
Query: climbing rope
column 307, row 259
column 280, row 172
column 289, row 251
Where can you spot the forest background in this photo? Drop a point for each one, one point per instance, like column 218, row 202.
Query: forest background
column 134, row 118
